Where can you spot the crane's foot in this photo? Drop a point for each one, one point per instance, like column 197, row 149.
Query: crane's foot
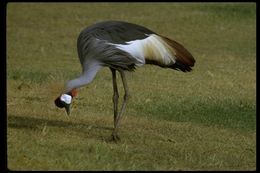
column 115, row 137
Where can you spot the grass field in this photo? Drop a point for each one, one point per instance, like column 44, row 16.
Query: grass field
column 203, row 120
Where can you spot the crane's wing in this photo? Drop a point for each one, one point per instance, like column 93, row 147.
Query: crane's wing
column 124, row 45
column 98, row 41
column 117, row 32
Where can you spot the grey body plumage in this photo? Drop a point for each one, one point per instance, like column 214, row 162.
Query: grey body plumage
column 123, row 46
column 92, row 43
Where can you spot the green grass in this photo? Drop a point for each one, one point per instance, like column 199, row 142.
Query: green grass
column 203, row 120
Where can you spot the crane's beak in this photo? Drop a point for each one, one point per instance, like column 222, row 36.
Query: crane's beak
column 67, row 108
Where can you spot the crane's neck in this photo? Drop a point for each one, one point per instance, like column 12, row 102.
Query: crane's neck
column 89, row 72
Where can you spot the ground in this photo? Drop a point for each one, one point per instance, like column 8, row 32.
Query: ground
column 202, row 120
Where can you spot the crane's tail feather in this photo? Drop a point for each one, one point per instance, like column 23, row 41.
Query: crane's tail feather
column 183, row 58
column 165, row 52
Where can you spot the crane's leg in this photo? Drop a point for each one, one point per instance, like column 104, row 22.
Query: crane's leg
column 115, row 96
column 126, row 97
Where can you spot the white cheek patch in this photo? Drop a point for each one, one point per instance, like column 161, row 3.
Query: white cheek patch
column 66, row 98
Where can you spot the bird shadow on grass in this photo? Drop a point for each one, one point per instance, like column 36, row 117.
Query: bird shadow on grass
column 37, row 124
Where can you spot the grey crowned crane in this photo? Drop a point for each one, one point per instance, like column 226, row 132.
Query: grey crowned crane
column 121, row 46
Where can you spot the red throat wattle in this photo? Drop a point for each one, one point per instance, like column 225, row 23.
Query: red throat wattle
column 73, row 92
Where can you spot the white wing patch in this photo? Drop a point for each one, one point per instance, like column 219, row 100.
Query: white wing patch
column 152, row 48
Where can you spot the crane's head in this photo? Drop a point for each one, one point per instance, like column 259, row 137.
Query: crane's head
column 65, row 100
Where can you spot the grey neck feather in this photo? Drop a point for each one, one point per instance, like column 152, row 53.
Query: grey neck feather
column 89, row 72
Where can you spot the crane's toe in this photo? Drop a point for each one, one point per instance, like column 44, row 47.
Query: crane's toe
column 115, row 137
